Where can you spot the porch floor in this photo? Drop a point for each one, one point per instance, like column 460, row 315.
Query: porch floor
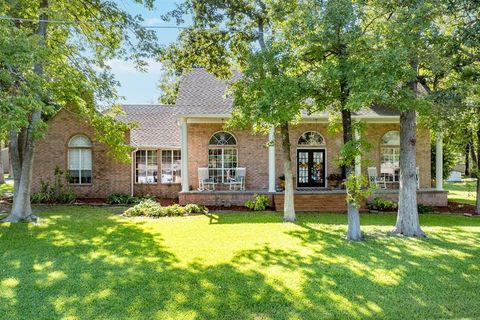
column 318, row 200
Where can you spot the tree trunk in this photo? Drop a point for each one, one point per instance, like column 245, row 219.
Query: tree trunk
column 354, row 232
column 475, row 164
column 2, row 177
column 467, row 159
column 23, row 145
column 289, row 202
column 408, row 223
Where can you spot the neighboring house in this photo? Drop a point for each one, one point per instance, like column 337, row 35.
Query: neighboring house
column 172, row 142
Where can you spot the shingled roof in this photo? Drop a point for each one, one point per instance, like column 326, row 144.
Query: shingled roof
column 202, row 94
column 157, row 125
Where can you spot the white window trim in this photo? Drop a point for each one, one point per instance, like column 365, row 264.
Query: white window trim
column 136, row 170
column 80, row 165
column 161, row 165
column 223, row 148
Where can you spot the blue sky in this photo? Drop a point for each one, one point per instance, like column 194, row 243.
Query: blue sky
column 141, row 87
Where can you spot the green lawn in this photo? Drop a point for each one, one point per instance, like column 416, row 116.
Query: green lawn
column 88, row 263
column 463, row 192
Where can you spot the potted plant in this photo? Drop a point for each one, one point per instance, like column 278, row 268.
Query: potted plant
column 334, row 180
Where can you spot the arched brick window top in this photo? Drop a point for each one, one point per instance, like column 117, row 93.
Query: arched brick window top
column 222, row 139
column 311, row 138
column 391, row 138
column 79, row 141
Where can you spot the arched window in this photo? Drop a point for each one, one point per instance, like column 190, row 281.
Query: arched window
column 222, row 139
column 311, row 138
column 390, row 155
column 80, row 160
column 222, row 156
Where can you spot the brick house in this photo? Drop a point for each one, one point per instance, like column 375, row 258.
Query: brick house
column 171, row 143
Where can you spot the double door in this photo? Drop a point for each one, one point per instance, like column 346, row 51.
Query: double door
column 311, row 168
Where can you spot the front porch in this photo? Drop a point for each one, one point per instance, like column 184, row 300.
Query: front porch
column 305, row 200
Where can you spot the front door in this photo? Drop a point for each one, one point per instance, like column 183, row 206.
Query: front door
column 311, row 168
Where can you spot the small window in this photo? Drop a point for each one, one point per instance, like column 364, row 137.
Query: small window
column 390, row 156
column 146, row 166
column 80, row 160
column 311, row 138
column 222, row 139
column 171, row 166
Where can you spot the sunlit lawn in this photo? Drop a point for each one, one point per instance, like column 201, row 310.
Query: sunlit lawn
column 463, row 192
column 87, row 263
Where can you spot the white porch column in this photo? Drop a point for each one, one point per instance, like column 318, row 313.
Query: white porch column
column 439, row 161
column 271, row 160
column 184, row 151
column 358, row 159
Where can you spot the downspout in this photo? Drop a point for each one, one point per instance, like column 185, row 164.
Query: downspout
column 132, row 177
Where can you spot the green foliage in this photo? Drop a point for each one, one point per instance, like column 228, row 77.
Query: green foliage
column 168, row 85
column 358, row 188
column 382, row 205
column 258, row 203
column 147, row 208
column 150, row 208
column 450, row 157
column 57, row 191
column 424, row 208
column 175, row 210
column 196, row 208
column 121, row 198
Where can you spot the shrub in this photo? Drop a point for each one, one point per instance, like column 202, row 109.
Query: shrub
column 382, row 205
column 147, row 207
column 175, row 210
column 424, row 208
column 196, row 208
column 121, row 198
column 57, row 192
column 258, row 203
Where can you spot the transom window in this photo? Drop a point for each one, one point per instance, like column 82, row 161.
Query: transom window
column 390, row 155
column 222, row 139
column 222, row 158
column 171, row 166
column 146, row 166
column 80, row 160
column 311, row 138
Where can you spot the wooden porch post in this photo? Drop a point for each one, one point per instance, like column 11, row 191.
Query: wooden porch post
column 184, row 151
column 271, row 160
column 439, row 161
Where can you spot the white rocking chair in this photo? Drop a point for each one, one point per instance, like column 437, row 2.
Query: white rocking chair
column 374, row 179
column 238, row 179
column 205, row 182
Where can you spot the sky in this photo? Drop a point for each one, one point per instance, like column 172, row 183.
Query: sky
column 141, row 87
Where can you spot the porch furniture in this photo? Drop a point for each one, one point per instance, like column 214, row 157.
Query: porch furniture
column 205, row 182
column 238, row 179
column 373, row 178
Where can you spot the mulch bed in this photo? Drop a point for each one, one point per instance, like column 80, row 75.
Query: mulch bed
column 457, row 207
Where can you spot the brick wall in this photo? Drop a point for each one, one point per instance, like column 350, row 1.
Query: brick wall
column 108, row 175
column 253, row 154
